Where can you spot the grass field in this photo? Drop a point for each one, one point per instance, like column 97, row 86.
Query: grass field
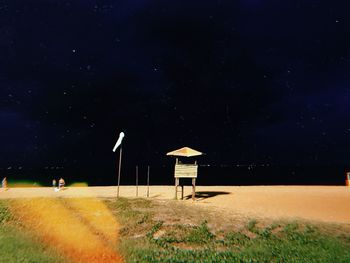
column 171, row 231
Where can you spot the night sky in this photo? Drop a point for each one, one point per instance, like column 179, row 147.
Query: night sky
column 246, row 82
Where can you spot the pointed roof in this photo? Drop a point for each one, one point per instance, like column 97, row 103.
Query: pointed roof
column 185, row 151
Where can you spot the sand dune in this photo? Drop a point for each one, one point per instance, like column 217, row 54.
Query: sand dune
column 320, row 203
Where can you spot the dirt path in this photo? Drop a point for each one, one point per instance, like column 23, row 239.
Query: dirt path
column 82, row 229
column 320, row 203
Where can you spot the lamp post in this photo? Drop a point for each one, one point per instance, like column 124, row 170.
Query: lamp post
column 119, row 142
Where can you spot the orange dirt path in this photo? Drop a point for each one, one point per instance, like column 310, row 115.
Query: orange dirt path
column 82, row 229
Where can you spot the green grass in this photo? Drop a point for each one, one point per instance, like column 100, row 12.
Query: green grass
column 288, row 246
column 17, row 245
column 5, row 215
column 169, row 231
column 199, row 241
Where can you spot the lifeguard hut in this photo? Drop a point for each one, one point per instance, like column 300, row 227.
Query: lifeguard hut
column 183, row 170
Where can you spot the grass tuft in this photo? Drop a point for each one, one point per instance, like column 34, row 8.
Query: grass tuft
column 200, row 234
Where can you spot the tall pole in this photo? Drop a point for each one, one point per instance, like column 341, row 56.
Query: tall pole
column 148, row 181
column 137, row 181
column 119, row 168
column 118, row 143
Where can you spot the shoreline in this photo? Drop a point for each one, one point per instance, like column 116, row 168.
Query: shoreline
column 319, row 203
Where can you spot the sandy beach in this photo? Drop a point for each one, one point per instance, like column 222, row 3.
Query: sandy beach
column 319, row 203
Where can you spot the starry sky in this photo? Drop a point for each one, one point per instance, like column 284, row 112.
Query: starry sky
column 245, row 81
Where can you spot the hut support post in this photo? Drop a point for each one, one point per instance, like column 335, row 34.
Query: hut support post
column 193, row 188
column 176, row 185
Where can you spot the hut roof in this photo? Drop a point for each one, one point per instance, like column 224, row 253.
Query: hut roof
column 185, row 151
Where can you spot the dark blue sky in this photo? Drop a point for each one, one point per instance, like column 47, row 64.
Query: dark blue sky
column 244, row 81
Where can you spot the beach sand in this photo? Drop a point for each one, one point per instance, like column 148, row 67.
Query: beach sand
column 316, row 203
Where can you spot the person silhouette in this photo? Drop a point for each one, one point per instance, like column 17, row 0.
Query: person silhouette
column 4, row 183
column 54, row 183
column 61, row 183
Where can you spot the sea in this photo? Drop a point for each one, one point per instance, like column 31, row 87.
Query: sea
column 235, row 175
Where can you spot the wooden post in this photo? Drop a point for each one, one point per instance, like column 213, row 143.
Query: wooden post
column 193, row 189
column 119, row 169
column 148, row 181
column 176, row 185
column 176, row 179
column 182, row 192
column 137, row 181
